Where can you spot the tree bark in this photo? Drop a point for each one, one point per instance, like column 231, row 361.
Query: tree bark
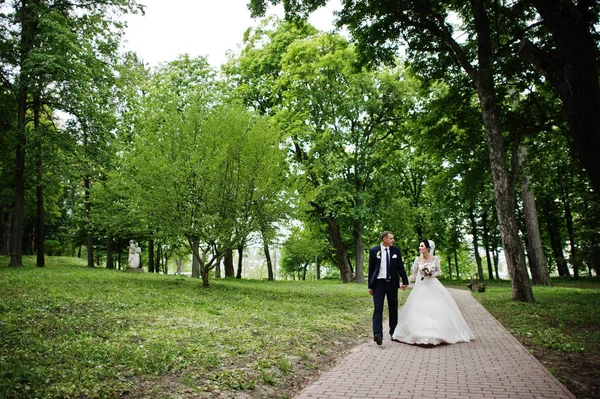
column 569, row 221
column 359, row 253
column 40, row 235
column 557, row 248
column 341, row 257
column 486, row 244
column 268, row 257
column 151, row 254
column 88, row 212
column 496, row 257
column 158, row 258
column 29, row 22
column 218, row 268
column 475, row 244
column 572, row 69
column 318, row 267
column 228, row 263
column 456, row 265
column 110, row 264
column 195, row 266
column 4, row 232
column 483, row 80
column 240, row 250
column 537, row 260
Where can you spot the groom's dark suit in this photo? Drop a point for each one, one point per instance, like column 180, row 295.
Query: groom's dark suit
column 382, row 287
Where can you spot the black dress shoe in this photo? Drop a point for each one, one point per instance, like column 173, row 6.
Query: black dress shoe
column 394, row 339
column 378, row 339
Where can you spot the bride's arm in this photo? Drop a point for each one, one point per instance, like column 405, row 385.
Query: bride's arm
column 438, row 269
column 413, row 276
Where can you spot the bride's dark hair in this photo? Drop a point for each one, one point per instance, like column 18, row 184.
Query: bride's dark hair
column 426, row 242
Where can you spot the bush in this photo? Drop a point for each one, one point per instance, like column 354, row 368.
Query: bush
column 52, row 247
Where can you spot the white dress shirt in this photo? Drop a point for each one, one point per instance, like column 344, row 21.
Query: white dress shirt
column 383, row 268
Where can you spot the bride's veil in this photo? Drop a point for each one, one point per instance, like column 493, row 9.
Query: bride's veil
column 431, row 246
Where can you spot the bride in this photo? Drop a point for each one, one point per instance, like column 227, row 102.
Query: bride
column 430, row 316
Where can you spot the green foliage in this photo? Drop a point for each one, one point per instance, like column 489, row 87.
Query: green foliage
column 73, row 331
column 52, row 247
column 285, row 364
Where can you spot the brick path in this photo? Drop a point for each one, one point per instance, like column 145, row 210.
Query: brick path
column 495, row 365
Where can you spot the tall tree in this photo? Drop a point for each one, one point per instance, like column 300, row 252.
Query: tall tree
column 377, row 27
column 569, row 61
column 85, row 30
column 210, row 166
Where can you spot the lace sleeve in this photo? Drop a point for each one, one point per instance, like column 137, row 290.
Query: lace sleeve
column 438, row 269
column 415, row 267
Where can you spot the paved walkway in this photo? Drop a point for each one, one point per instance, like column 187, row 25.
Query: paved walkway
column 494, row 365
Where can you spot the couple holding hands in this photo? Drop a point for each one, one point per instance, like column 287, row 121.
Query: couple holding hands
column 429, row 316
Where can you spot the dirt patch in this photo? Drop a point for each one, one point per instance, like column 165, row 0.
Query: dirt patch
column 579, row 372
column 195, row 384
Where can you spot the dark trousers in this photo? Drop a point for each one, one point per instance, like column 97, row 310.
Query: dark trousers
column 381, row 290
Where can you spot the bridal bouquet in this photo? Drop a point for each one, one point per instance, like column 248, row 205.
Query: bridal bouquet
column 426, row 270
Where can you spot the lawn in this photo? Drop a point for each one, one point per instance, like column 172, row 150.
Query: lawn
column 69, row 331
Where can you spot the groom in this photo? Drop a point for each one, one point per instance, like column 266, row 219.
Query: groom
column 385, row 270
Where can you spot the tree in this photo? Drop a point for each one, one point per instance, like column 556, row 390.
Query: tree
column 377, row 27
column 210, row 166
column 569, row 61
column 47, row 41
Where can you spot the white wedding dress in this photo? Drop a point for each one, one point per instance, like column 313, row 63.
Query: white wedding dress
column 430, row 315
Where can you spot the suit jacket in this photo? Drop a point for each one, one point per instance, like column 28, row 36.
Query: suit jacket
column 397, row 271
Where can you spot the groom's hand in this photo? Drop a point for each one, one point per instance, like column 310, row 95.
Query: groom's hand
column 371, row 291
column 403, row 287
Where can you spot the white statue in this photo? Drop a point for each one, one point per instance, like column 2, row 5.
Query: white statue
column 133, row 262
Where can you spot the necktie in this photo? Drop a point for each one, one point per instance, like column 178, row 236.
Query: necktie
column 387, row 263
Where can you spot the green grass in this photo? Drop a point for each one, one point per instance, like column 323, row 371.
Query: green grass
column 564, row 317
column 70, row 331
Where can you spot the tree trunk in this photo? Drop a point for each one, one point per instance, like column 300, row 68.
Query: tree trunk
column 359, row 253
column 240, row 250
column 456, row 264
column 151, row 254
column 88, row 212
column 449, row 266
column 340, row 251
column 537, row 260
column 109, row 256
column 268, row 257
column 204, row 273
column 556, row 241
column 195, row 266
column 29, row 23
column 158, row 256
column 119, row 249
column 569, row 220
column 218, row 267
column 486, row 244
column 483, row 80
column 228, row 263
column 496, row 256
column 318, row 267
column 4, row 232
column 39, row 188
column 475, row 244
column 572, row 70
